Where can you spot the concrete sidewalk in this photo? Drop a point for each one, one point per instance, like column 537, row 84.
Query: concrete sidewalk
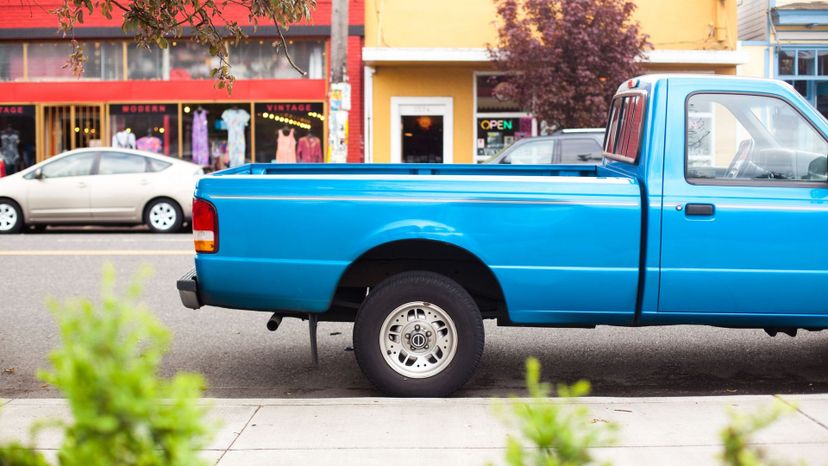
column 363, row 431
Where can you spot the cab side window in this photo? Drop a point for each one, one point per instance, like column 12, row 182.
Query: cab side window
column 750, row 139
column 72, row 165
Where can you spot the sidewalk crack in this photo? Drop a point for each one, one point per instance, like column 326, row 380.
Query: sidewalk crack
column 230, row 447
column 796, row 407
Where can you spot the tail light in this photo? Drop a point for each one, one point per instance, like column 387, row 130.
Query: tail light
column 205, row 226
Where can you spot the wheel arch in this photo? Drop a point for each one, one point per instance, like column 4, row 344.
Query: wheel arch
column 398, row 256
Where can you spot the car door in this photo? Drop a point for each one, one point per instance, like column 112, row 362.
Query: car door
column 120, row 187
column 61, row 192
column 744, row 218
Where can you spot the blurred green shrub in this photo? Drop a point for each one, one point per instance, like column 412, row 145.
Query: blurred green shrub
column 107, row 368
column 737, row 436
column 15, row 454
column 551, row 433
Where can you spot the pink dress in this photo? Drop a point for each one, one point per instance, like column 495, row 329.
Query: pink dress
column 286, row 147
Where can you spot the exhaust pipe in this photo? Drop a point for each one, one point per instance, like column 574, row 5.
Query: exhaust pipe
column 274, row 322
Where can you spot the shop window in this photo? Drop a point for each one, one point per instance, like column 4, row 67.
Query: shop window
column 786, row 62
column 46, row 60
column 289, row 132
column 499, row 121
column 217, row 136
column 17, row 137
column 143, row 63
column 153, row 126
column 11, row 62
column 259, row 59
column 189, row 60
column 490, row 94
column 496, row 134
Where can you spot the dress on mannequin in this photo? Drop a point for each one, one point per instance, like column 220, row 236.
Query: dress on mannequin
column 286, row 146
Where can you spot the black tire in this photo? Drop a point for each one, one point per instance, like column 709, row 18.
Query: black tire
column 163, row 216
column 11, row 217
column 436, row 292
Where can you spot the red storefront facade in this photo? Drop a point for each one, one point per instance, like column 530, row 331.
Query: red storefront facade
column 165, row 95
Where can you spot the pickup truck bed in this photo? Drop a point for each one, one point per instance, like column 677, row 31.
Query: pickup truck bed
column 304, row 226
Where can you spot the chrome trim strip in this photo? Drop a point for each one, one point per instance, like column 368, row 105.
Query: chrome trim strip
column 493, row 178
column 425, row 200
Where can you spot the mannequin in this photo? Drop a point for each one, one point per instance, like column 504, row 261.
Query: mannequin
column 124, row 139
column 310, row 149
column 236, row 119
column 9, row 141
column 285, row 146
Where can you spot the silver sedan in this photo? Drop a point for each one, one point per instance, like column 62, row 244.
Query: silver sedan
column 100, row 186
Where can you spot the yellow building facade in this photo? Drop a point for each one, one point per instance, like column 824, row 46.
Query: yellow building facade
column 428, row 78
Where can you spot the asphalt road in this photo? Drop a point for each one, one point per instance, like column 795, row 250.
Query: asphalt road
column 240, row 358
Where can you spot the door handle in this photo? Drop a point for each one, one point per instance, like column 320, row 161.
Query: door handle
column 143, row 182
column 81, row 184
column 702, row 210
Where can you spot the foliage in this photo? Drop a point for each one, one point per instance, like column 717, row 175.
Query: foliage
column 566, row 58
column 107, row 369
column 15, row 454
column 551, row 433
column 738, row 450
column 156, row 22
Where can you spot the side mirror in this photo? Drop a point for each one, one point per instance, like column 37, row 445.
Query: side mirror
column 38, row 174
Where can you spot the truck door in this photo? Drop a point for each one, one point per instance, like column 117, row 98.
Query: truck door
column 745, row 209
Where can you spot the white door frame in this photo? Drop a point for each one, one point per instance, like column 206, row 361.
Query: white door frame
column 434, row 106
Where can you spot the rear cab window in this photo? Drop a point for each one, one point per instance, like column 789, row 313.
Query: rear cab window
column 625, row 125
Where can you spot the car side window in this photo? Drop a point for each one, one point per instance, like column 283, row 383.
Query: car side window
column 72, row 165
column 580, row 150
column 119, row 163
column 531, row 153
column 749, row 139
column 157, row 165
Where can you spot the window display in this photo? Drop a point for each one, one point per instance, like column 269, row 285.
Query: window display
column 216, row 135
column 17, row 137
column 145, row 126
column 496, row 134
column 288, row 132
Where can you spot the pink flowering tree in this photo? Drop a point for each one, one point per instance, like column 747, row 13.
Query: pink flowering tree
column 566, row 58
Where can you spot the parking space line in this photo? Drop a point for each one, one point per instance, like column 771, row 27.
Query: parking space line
column 99, row 252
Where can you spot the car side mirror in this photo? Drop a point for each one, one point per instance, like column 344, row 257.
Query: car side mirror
column 38, row 174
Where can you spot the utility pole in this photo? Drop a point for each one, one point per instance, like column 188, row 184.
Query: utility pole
column 339, row 91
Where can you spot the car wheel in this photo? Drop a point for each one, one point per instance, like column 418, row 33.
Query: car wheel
column 418, row 334
column 164, row 216
column 11, row 217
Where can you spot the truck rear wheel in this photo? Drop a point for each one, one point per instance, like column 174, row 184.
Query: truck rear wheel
column 418, row 334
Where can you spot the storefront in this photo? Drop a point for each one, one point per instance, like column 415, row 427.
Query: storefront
column 164, row 101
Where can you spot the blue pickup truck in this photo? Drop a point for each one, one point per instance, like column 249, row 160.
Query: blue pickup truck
column 710, row 207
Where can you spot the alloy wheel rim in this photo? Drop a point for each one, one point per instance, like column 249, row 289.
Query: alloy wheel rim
column 418, row 340
column 162, row 216
column 8, row 217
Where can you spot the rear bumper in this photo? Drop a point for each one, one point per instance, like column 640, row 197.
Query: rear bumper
column 188, row 290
